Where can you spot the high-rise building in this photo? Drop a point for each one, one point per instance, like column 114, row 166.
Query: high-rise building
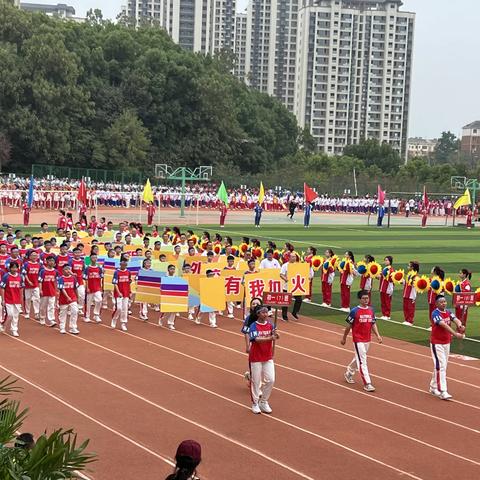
column 240, row 45
column 205, row 26
column 354, row 60
column 470, row 143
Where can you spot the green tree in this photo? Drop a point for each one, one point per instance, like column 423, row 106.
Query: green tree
column 447, row 146
column 371, row 152
column 54, row 456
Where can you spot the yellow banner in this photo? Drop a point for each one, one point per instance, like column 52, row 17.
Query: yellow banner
column 212, row 293
column 298, row 278
column 234, row 289
column 264, row 281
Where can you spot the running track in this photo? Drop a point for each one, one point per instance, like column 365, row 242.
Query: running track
column 136, row 395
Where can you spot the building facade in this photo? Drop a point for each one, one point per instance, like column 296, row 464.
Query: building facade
column 240, row 46
column 204, row 26
column 470, row 144
column 421, row 147
column 354, row 60
column 61, row 10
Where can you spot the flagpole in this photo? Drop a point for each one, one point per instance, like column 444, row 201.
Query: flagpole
column 355, row 181
column 159, row 207
column 1, row 207
column 197, row 210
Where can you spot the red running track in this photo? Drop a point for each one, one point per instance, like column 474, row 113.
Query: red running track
column 136, row 395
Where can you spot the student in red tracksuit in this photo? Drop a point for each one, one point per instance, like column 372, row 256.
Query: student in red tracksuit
column 346, row 280
column 328, row 274
column 386, row 288
column 67, row 300
column 431, row 295
column 48, row 292
column 440, row 340
column 122, row 279
column 366, row 281
column 93, row 276
column 30, row 271
column 77, row 264
column 461, row 312
column 63, row 258
column 11, row 290
column 409, row 293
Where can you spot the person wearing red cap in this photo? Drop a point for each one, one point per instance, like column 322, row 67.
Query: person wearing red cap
column 187, row 459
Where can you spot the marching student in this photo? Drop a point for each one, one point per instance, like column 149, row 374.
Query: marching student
column 30, row 272
column 122, row 279
column 258, row 214
column 361, row 321
column 93, row 274
column 170, row 316
column 11, row 291
column 440, row 340
column 461, row 311
column 262, row 334
column 48, row 292
column 212, row 316
column 409, row 293
column 67, row 301
column 63, row 258
column 386, row 288
column 77, row 265
column 328, row 274
column 230, row 266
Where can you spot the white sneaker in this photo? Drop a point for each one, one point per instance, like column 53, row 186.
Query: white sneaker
column 230, row 315
column 1, row 328
column 246, row 376
column 124, row 327
column 213, row 325
column 51, row 324
column 160, row 323
column 197, row 321
column 171, row 327
column 265, row 407
column 307, row 300
column 86, row 320
column 15, row 334
column 256, row 409
column 445, row 396
column 97, row 319
column 434, row 391
column 113, row 324
column 369, row 387
column 387, row 318
column 177, row 314
column 145, row 319
column 345, row 309
column 408, row 324
column 348, row 377
column 190, row 316
column 324, row 304
column 63, row 331
column 239, row 306
column 74, row 331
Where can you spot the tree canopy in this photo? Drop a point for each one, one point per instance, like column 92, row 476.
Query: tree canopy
column 100, row 95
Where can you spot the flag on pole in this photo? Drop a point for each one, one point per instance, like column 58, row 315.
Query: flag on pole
column 82, row 192
column 261, row 194
column 380, row 195
column 425, row 201
column 147, row 195
column 309, row 194
column 464, row 200
column 31, row 189
column 222, row 194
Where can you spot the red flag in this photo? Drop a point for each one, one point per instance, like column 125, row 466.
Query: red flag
column 425, row 200
column 380, row 195
column 82, row 192
column 309, row 194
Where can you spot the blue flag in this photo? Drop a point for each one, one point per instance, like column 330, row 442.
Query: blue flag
column 31, row 188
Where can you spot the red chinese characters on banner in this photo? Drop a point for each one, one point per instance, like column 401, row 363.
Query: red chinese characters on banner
column 275, row 286
column 196, row 267
column 216, row 272
column 233, row 285
column 256, row 287
column 298, row 285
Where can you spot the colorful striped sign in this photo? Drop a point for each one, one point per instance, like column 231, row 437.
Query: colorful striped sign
column 174, row 294
column 148, row 286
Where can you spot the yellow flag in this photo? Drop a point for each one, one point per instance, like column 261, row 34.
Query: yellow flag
column 147, row 195
column 261, row 194
column 463, row 200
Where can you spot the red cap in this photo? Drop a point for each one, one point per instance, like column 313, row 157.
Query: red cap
column 190, row 448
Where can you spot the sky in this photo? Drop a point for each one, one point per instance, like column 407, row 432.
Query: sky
column 445, row 91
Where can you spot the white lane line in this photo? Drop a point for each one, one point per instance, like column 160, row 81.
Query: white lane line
column 286, row 392
column 185, row 419
column 300, row 372
column 87, row 416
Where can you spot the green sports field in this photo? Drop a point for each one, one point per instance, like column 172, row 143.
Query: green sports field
column 450, row 248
